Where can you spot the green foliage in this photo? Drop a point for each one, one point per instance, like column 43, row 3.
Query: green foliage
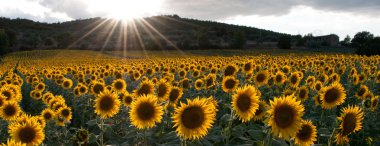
column 239, row 40
column 361, row 38
column 371, row 47
column 4, row 43
column 284, row 42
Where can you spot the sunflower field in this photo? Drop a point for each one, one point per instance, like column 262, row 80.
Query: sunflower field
column 90, row 98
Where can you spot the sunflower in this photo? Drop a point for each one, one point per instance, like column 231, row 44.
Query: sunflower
column 12, row 142
column 174, row 95
column 194, row 119
column 248, row 68
column 310, row 80
column 107, row 104
column 374, row 103
column 146, row 87
column 210, row 80
column 97, row 88
column 261, row 111
column 29, row 132
column 198, row 84
column 351, row 120
column 40, row 87
column 303, row 93
column 67, row 84
column 2, row 100
column 119, row 85
column 10, row 110
column 185, row 83
column 332, row 96
column 307, row 134
column 229, row 84
column 145, row 112
column 261, row 78
column 341, row 139
column 163, row 90
column 8, row 93
column 363, row 89
column 65, row 112
column 279, row 78
column 127, row 99
column 378, row 77
column 245, row 102
column 285, row 116
column 230, row 70
column 294, row 80
column 318, row 85
column 48, row 114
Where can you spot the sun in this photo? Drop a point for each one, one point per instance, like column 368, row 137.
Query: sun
column 126, row 9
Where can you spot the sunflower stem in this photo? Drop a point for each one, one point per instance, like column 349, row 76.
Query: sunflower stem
column 331, row 137
column 101, row 132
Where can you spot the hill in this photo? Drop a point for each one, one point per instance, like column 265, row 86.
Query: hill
column 156, row 32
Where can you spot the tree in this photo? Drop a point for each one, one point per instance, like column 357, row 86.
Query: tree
column 347, row 41
column 203, row 41
column 284, row 42
column 371, row 47
column 239, row 40
column 361, row 38
column 3, row 42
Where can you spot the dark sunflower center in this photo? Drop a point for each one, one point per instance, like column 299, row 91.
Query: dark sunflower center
column 374, row 103
column 193, row 117
column 230, row 83
column 98, row 88
column 209, row 82
column 119, row 85
column 259, row 110
column 247, row 67
column 66, row 84
column 243, row 102
column 332, row 95
column 106, row 103
column 145, row 89
column 65, row 112
column 82, row 89
column 230, row 70
column 40, row 87
column 278, row 78
column 145, row 111
column 174, row 95
column 185, row 84
column 293, row 79
column 47, row 116
column 161, row 90
column 260, row 78
column 27, row 134
column 9, row 110
column 128, row 99
column 7, row 94
column 284, row 116
column 302, row 94
column 318, row 87
column 362, row 91
column 305, row 133
column 349, row 123
column 199, row 84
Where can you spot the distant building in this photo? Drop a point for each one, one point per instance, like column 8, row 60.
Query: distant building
column 331, row 40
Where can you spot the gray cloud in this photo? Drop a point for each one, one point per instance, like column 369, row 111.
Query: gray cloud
column 221, row 9
column 73, row 8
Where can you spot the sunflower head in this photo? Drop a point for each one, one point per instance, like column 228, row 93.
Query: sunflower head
column 351, row 120
column 127, row 99
column 119, row 85
column 261, row 78
column 307, row 134
column 303, row 93
column 198, row 84
column 294, row 79
column 107, row 104
column 245, row 102
column 12, row 142
column 279, row 78
column 97, row 88
column 163, row 90
column 29, row 132
column 230, row 70
column 261, row 111
column 332, row 96
column 67, row 84
column 146, row 87
column 10, row 110
column 174, row 95
column 145, row 112
column 48, row 114
column 229, row 84
column 194, row 119
column 363, row 89
column 285, row 116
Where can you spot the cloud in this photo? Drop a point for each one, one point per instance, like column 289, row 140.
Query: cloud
column 73, row 8
column 222, row 9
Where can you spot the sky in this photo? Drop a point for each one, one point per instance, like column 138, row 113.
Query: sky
column 319, row 17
